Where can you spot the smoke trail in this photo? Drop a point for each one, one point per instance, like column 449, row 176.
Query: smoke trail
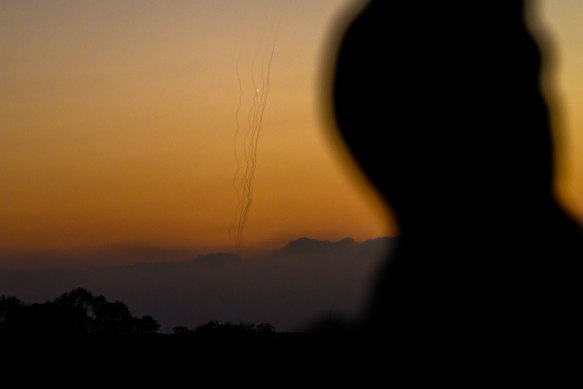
column 246, row 137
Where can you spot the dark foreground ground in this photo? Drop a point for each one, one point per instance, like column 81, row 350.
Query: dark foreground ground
column 81, row 339
column 171, row 360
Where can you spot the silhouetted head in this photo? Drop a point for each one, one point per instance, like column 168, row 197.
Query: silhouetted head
column 440, row 105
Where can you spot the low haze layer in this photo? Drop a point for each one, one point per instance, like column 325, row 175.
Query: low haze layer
column 304, row 281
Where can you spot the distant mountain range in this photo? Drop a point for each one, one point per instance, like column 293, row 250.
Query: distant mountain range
column 342, row 248
column 288, row 287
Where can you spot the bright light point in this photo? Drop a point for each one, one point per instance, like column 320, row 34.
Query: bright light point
column 257, row 90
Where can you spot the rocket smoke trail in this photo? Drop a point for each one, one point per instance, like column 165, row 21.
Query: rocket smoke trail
column 246, row 137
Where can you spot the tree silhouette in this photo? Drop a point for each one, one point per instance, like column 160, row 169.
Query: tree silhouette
column 180, row 330
column 145, row 325
column 74, row 314
column 10, row 317
column 265, row 328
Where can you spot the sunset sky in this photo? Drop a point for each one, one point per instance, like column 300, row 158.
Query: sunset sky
column 118, row 122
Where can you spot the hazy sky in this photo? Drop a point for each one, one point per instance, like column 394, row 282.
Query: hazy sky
column 118, row 119
column 117, row 123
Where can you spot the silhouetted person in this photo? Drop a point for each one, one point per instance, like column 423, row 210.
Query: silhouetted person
column 441, row 106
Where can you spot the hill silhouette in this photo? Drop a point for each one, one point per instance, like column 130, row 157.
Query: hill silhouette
column 308, row 247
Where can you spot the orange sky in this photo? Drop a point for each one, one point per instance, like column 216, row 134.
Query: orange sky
column 118, row 118
column 117, row 122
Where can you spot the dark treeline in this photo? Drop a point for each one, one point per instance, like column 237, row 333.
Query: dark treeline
column 79, row 318
column 75, row 314
column 79, row 314
column 214, row 328
column 85, row 331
